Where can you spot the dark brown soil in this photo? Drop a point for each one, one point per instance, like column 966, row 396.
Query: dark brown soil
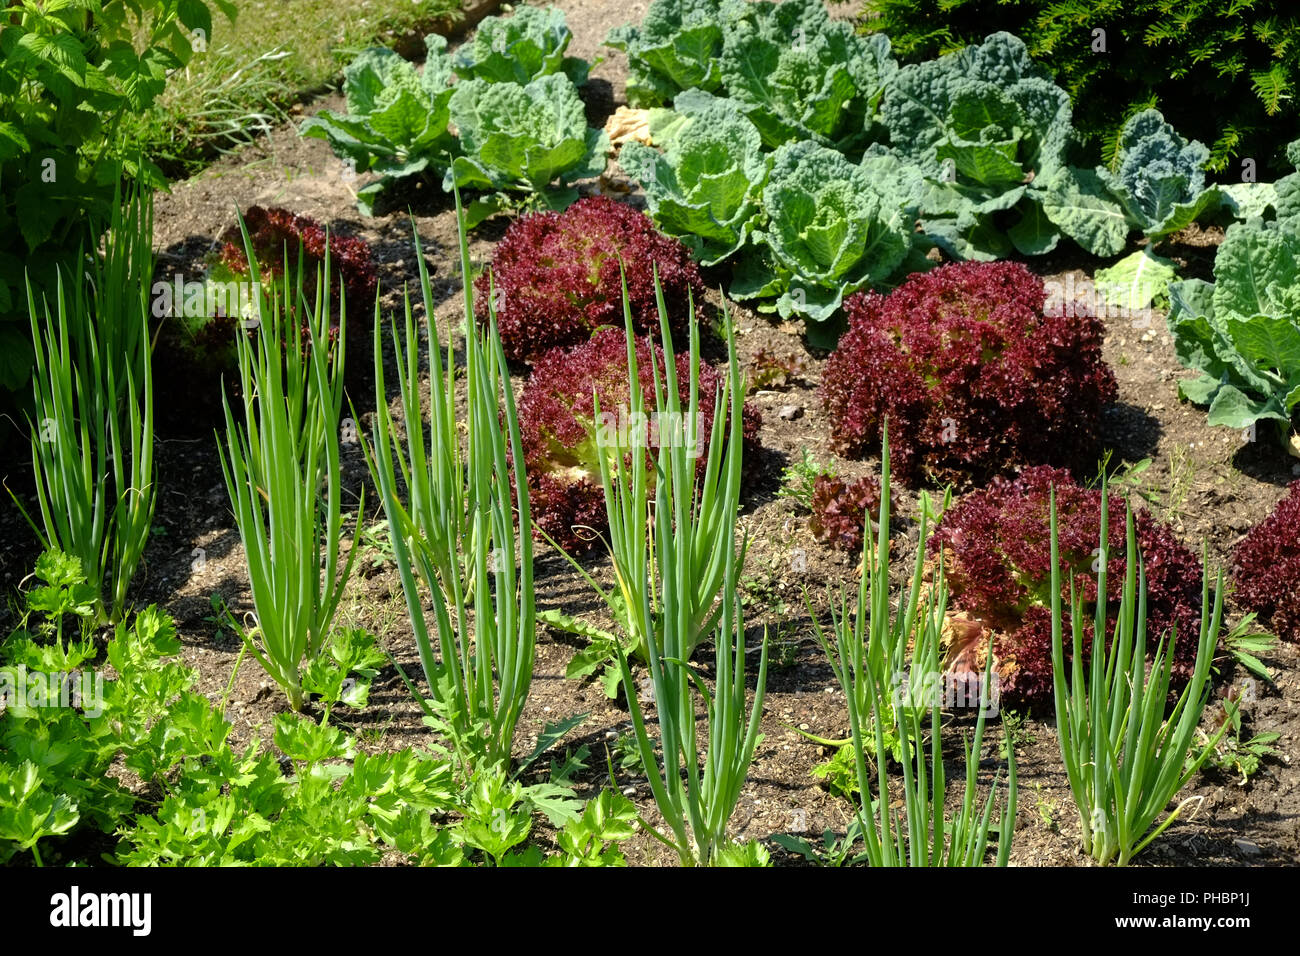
column 1206, row 481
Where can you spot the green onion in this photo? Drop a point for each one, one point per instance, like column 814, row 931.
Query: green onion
column 629, row 486
column 667, row 568
column 274, row 462
column 455, row 538
column 868, row 656
column 1124, row 758
column 92, row 438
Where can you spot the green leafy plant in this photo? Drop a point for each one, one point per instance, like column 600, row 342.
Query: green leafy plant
column 1231, row 754
column 706, row 187
column 92, row 433
column 839, row 774
column 519, row 48
column 824, row 83
column 1159, row 177
column 799, row 478
column 336, row 807
column 454, row 537
column 625, row 753
column 64, row 724
column 989, row 130
column 1221, row 73
column 1125, row 759
column 71, row 74
column 869, row 658
column 833, row 851
column 1242, row 332
column 308, row 799
column 497, row 822
column 833, row 228
column 343, row 674
column 674, row 48
column 1245, row 642
column 523, row 138
column 1136, row 284
column 788, row 64
column 274, row 463
column 396, row 124
column 376, row 546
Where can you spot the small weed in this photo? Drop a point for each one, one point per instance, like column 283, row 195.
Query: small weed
column 220, row 615
column 831, row 852
column 626, row 754
column 376, row 547
column 1182, row 477
column 840, row 773
column 1047, row 809
column 373, row 737
column 797, row 479
column 1015, row 733
column 1232, row 755
column 783, row 656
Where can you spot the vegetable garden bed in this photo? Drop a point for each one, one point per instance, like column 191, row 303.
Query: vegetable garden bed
column 1206, row 483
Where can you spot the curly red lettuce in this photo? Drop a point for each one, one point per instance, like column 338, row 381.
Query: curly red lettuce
column 1266, row 567
column 996, row 551
column 561, row 437
column 974, row 376
column 281, row 238
column 556, row 277
column 840, row 509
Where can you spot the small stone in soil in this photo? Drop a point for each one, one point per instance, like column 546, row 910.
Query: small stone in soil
column 1247, row 847
column 789, row 412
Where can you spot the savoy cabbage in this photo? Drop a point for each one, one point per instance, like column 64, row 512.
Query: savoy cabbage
column 823, row 84
column 1242, row 332
column 833, row 227
column 707, row 186
column 523, row 139
column 675, row 48
column 1160, row 180
column 397, row 117
column 990, row 131
column 520, row 48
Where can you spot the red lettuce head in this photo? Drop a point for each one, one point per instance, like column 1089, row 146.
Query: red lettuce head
column 840, row 510
column 557, row 276
column 996, row 550
column 974, row 378
column 280, row 238
column 1266, row 567
column 560, row 432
